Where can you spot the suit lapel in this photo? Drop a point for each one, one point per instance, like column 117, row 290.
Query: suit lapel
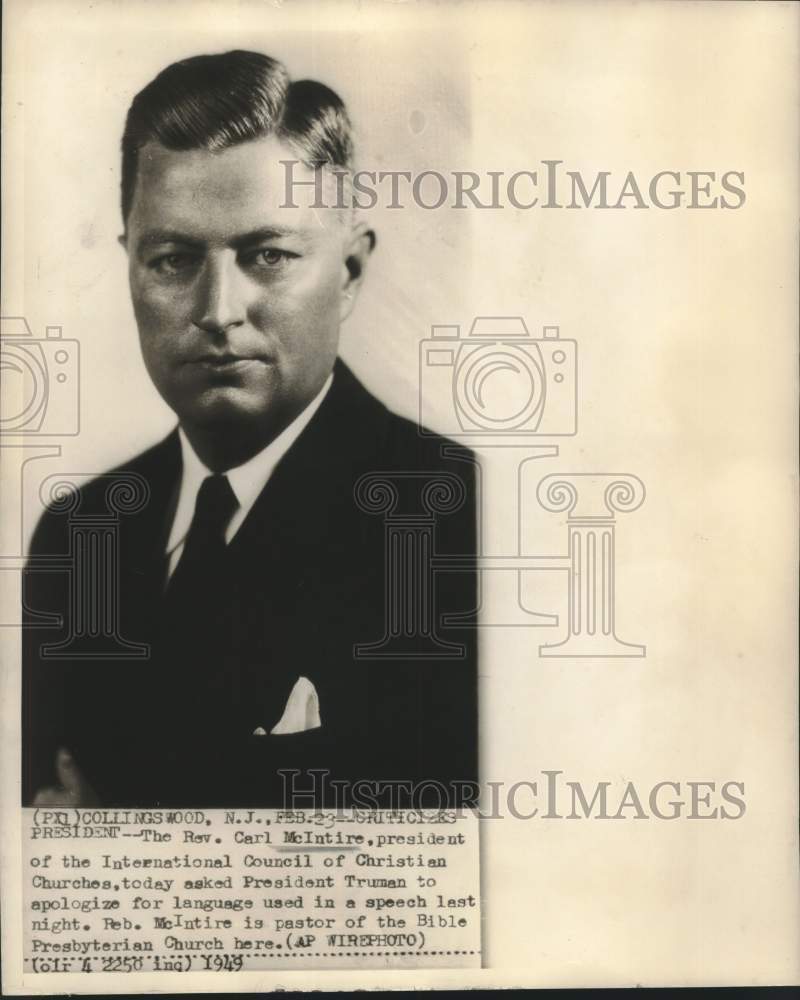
column 318, row 472
column 145, row 534
column 300, row 542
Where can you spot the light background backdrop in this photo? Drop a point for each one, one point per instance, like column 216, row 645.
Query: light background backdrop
column 686, row 326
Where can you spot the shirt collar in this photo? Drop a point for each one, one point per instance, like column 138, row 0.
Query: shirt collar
column 247, row 480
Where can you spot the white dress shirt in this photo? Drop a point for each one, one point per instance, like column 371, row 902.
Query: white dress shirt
column 247, row 481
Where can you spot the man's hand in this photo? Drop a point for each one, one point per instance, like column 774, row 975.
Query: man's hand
column 74, row 789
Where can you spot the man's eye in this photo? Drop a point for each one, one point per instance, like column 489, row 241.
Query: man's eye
column 172, row 263
column 271, row 257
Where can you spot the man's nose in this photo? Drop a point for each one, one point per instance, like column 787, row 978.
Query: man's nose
column 219, row 296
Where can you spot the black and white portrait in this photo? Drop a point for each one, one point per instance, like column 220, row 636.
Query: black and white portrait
column 263, row 618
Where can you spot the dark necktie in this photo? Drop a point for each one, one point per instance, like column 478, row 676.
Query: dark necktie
column 204, row 548
column 196, row 690
column 197, row 600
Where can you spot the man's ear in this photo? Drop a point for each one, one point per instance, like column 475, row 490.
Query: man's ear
column 359, row 245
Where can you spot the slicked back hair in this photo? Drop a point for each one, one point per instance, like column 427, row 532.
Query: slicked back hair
column 216, row 101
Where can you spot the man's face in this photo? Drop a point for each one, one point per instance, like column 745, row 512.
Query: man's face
column 237, row 299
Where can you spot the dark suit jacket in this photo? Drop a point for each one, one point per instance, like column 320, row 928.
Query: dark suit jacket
column 308, row 583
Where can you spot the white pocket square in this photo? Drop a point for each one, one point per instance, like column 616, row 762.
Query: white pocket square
column 301, row 712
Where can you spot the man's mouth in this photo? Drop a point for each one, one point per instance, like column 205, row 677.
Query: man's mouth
column 229, row 362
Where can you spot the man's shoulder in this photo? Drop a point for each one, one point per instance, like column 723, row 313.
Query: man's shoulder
column 124, row 489
column 399, row 441
column 424, row 449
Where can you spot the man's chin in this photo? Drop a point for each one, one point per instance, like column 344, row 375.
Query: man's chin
column 228, row 407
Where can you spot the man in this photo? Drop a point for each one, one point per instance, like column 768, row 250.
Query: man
column 252, row 573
